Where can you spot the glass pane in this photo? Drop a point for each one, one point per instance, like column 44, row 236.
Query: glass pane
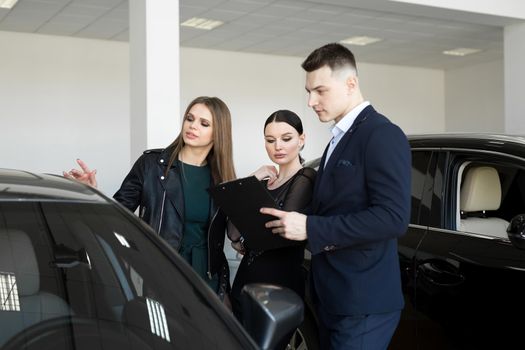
column 420, row 162
column 96, row 282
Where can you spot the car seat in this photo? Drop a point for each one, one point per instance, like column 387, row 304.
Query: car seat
column 22, row 304
column 481, row 191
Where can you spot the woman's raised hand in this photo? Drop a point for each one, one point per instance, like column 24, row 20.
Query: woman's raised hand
column 266, row 172
column 239, row 247
column 85, row 175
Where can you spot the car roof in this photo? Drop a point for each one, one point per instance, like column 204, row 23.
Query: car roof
column 470, row 136
column 501, row 143
column 19, row 185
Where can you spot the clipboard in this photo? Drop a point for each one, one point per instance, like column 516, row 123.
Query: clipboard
column 241, row 201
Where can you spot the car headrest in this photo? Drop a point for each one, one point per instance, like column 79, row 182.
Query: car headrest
column 481, row 190
column 17, row 257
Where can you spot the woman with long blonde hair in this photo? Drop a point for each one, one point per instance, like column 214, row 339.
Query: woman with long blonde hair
column 169, row 187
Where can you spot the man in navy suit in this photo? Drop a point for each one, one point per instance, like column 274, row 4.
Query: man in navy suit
column 360, row 205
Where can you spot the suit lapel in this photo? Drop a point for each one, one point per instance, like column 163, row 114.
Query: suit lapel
column 336, row 154
column 320, row 171
column 334, row 157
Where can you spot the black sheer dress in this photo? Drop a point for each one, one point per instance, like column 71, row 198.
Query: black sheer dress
column 281, row 266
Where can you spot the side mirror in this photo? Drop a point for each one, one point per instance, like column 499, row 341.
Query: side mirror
column 66, row 257
column 270, row 313
column 516, row 231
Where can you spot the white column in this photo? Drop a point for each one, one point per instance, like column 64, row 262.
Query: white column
column 514, row 56
column 154, row 74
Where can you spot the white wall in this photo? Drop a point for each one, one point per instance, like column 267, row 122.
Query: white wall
column 255, row 85
column 514, row 72
column 63, row 98
column 505, row 8
column 475, row 99
column 411, row 97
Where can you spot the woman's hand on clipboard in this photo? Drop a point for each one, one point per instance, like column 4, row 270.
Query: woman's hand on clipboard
column 239, row 246
column 266, row 172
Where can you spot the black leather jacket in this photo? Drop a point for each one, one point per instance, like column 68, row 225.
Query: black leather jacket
column 161, row 202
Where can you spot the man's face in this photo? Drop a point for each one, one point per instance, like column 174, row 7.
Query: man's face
column 329, row 95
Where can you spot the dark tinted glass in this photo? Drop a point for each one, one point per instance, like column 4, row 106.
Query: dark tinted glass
column 83, row 276
column 437, row 172
column 420, row 165
column 512, row 192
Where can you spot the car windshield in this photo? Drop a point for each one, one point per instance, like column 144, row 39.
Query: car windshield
column 85, row 276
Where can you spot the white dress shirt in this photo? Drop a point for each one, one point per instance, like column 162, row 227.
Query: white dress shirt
column 339, row 129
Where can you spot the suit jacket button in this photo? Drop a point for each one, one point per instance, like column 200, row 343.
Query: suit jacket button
column 329, row 248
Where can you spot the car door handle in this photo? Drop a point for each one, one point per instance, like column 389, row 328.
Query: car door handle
column 440, row 273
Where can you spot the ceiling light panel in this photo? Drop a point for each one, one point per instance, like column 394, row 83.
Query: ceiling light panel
column 7, row 4
column 461, row 51
column 202, row 23
column 360, row 40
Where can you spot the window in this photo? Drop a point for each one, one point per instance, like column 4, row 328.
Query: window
column 9, row 300
column 93, row 268
column 489, row 194
column 420, row 168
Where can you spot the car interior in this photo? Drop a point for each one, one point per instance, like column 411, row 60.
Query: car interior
column 481, row 192
column 82, row 274
column 22, row 303
column 489, row 195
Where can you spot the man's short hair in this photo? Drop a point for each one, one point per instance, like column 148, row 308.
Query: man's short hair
column 333, row 55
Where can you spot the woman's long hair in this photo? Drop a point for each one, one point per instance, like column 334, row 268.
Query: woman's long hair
column 220, row 157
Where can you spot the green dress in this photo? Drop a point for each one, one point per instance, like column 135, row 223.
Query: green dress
column 194, row 245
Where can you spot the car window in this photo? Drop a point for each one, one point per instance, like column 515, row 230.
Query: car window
column 71, row 271
column 420, row 169
column 489, row 193
column 437, row 173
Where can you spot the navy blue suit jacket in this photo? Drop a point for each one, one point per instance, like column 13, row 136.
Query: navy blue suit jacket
column 360, row 205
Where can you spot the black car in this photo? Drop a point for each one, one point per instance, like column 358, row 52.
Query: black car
column 463, row 256
column 462, row 263
column 79, row 271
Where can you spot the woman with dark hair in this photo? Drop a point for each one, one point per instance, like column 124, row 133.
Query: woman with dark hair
column 169, row 188
column 291, row 185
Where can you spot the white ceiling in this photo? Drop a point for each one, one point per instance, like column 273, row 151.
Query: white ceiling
column 413, row 35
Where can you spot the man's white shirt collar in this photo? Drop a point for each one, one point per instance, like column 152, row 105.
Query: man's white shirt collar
column 346, row 122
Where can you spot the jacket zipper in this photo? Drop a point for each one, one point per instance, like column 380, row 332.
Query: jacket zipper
column 162, row 211
column 209, row 251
